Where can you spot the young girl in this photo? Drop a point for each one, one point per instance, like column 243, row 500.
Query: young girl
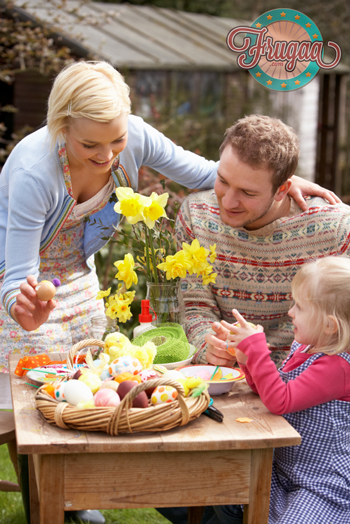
column 310, row 482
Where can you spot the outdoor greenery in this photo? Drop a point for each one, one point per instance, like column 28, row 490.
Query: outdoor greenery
column 11, row 508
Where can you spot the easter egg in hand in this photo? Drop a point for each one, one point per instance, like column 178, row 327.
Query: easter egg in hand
column 125, row 364
column 76, row 391
column 163, row 395
column 232, row 351
column 45, row 290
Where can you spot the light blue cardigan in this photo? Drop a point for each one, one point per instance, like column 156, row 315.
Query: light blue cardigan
column 34, row 202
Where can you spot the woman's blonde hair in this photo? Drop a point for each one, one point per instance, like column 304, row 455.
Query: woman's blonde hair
column 325, row 285
column 93, row 90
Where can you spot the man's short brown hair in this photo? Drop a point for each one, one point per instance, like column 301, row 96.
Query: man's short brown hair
column 262, row 141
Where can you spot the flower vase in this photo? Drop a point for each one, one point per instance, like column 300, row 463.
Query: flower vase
column 167, row 302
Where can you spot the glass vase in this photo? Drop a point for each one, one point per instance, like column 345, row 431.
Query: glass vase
column 100, row 327
column 167, row 302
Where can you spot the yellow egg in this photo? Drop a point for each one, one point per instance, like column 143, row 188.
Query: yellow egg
column 92, row 381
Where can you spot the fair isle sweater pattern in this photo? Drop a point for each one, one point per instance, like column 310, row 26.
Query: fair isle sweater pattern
column 255, row 268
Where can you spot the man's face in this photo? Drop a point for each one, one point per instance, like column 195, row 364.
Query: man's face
column 244, row 193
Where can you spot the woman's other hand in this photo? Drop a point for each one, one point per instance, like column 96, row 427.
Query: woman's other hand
column 217, row 354
column 28, row 311
column 301, row 188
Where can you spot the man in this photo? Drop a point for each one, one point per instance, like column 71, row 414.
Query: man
column 261, row 235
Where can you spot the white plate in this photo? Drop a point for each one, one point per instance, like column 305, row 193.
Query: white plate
column 36, row 375
column 221, row 384
column 174, row 365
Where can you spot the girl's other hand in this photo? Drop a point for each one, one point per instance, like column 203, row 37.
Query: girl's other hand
column 28, row 311
column 216, row 351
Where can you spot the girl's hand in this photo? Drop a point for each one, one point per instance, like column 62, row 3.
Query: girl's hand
column 28, row 311
column 216, row 351
column 301, row 187
column 241, row 331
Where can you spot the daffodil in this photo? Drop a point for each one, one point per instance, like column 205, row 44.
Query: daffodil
column 154, row 208
column 207, row 276
column 196, row 255
column 175, row 265
column 102, row 294
column 126, row 271
column 130, row 204
column 213, row 254
column 123, row 312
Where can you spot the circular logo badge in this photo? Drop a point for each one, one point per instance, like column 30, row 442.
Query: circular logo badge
column 290, row 35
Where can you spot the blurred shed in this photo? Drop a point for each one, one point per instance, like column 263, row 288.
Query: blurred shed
column 177, row 63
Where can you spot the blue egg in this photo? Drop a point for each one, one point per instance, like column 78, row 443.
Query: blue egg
column 105, row 374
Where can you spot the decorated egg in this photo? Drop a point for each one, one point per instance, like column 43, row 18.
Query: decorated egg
column 105, row 375
column 59, row 392
column 148, row 374
column 125, row 364
column 163, row 395
column 128, row 376
column 76, row 391
column 106, row 397
column 140, row 401
column 109, row 384
column 92, row 381
column 45, row 290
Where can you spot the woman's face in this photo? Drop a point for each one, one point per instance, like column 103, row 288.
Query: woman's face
column 94, row 145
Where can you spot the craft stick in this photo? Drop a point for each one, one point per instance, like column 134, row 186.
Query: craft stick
column 213, row 375
column 32, row 385
column 40, row 371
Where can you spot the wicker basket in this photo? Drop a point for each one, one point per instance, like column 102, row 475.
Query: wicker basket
column 124, row 418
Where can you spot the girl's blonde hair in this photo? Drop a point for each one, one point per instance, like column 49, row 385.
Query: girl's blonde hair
column 325, row 285
column 93, row 90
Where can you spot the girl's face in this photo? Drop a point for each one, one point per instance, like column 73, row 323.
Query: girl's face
column 93, row 146
column 304, row 327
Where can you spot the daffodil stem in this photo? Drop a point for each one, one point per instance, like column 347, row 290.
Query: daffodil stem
column 147, row 253
column 153, row 257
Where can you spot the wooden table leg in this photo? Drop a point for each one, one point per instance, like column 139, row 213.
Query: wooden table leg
column 51, row 488
column 34, row 504
column 195, row 514
column 257, row 511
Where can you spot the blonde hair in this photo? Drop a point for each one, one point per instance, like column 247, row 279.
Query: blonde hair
column 325, row 285
column 93, row 90
column 264, row 141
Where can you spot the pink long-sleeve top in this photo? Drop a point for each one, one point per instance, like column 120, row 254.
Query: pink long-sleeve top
column 328, row 378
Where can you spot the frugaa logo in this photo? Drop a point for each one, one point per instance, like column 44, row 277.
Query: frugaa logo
column 283, row 49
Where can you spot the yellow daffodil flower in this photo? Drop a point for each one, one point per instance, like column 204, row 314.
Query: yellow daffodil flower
column 213, row 254
column 175, row 265
column 130, row 204
column 123, row 312
column 196, row 255
column 126, row 271
column 154, row 208
column 207, row 275
column 102, row 294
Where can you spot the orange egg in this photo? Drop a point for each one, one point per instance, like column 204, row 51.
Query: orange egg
column 45, row 290
column 50, row 390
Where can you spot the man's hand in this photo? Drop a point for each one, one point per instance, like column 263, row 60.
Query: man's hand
column 28, row 311
column 301, row 187
column 216, row 351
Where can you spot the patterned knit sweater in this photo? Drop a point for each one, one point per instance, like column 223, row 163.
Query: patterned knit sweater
column 255, row 268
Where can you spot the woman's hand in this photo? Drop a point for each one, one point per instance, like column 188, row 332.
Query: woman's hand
column 216, row 351
column 301, row 187
column 28, row 311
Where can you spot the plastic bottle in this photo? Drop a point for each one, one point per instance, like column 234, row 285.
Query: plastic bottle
column 145, row 319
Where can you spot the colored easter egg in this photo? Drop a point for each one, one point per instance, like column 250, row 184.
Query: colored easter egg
column 125, row 364
column 231, row 350
column 140, row 401
column 148, row 374
column 105, row 374
column 59, row 392
column 163, row 395
column 45, row 290
column 91, row 380
column 106, row 397
column 76, row 391
column 110, row 384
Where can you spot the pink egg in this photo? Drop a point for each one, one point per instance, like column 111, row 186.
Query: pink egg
column 106, row 397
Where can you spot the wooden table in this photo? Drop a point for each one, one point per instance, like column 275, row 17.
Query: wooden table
column 203, row 463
